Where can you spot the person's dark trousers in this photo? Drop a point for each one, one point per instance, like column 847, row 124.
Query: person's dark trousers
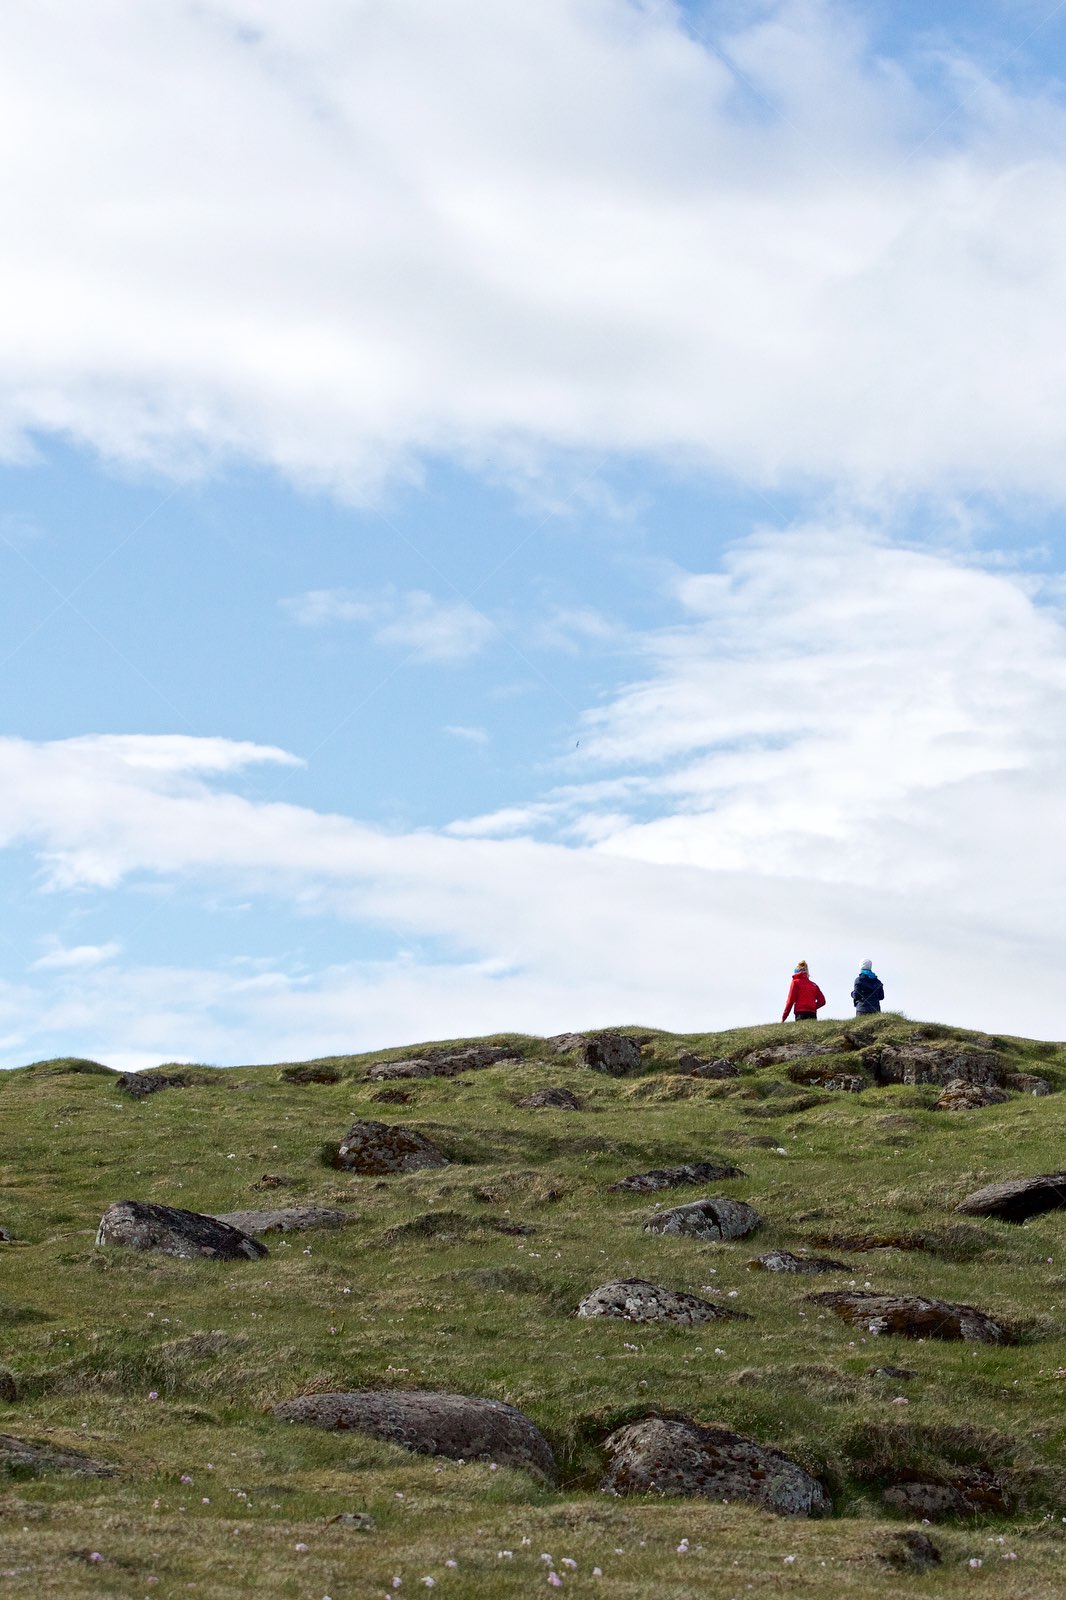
column 871, row 1008
column 806, row 1016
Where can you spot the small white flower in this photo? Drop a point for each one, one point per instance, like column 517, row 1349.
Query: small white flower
column 975, row 1561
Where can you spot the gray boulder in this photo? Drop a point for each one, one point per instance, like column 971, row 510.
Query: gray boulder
column 380, row 1149
column 1018, row 1199
column 958, row 1095
column 288, row 1219
column 140, row 1085
column 139, row 1225
column 454, row 1425
column 676, row 1177
column 969, row 1492
column 1026, row 1083
column 717, row 1219
column 634, row 1300
column 658, row 1456
column 553, row 1099
column 785, row 1261
column 913, row 1316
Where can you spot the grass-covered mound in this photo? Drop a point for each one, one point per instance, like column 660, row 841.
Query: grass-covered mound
column 465, row 1278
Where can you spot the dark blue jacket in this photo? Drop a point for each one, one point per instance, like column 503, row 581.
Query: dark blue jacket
column 867, row 993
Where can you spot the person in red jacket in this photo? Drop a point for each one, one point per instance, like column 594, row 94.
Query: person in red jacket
column 804, row 996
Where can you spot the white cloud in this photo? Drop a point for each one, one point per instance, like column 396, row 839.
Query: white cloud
column 472, row 735
column 78, row 956
column 843, row 748
column 411, row 620
column 339, row 239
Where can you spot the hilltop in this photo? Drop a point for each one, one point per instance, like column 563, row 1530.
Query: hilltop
column 465, row 1277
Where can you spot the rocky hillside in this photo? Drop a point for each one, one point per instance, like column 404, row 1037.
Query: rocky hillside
column 628, row 1313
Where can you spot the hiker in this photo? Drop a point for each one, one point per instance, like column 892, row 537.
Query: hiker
column 867, row 991
column 804, row 995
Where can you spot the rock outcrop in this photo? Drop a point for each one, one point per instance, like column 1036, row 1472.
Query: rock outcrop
column 287, row 1219
column 675, row 1177
column 913, row 1316
column 139, row 1225
column 970, row 1492
column 141, row 1084
column 1017, row 1199
column 33, row 1457
column 941, row 1063
column 380, row 1149
column 311, row 1073
column 693, row 1066
column 442, row 1063
column 716, row 1219
column 612, row 1053
column 679, row 1457
column 635, row 1300
column 454, row 1425
column 785, row 1261
column 1026, row 1083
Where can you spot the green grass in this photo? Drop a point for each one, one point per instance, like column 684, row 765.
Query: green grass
column 90, row 1335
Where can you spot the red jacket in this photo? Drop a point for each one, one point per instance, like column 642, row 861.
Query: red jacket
column 804, row 994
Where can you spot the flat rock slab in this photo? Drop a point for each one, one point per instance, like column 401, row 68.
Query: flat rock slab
column 139, row 1225
column 932, row 1063
column 442, row 1063
column 676, row 1177
column 383, row 1148
column 612, row 1053
column 785, row 1261
column 958, row 1095
column 693, row 1066
column 795, row 1050
column 913, row 1316
column 635, row 1300
column 717, row 1218
column 553, row 1099
column 657, row 1456
column 458, row 1426
column 141, row 1084
column 288, row 1219
column 33, row 1457
column 1017, row 1199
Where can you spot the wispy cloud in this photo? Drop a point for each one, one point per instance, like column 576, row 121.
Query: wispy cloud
column 862, row 284
column 409, row 620
column 459, row 730
column 78, row 956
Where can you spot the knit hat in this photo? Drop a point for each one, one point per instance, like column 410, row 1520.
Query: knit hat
column 866, row 966
column 801, row 966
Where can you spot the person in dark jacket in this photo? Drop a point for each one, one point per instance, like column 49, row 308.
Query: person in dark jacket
column 868, row 991
column 804, row 996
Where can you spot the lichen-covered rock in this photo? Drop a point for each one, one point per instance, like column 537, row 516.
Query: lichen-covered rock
column 913, row 1316
column 958, row 1095
column 771, row 1055
column 1017, row 1199
column 716, row 1219
column 287, row 1219
column 310, row 1073
column 826, row 1077
column 458, row 1426
column 561, row 1043
column 380, row 1149
column 676, row 1177
column 693, row 1066
column 941, row 1063
column 969, row 1492
column 553, row 1099
column 785, row 1261
column 32, row 1457
column 680, row 1457
column 612, row 1053
column 635, row 1300
column 140, row 1225
column 442, row 1063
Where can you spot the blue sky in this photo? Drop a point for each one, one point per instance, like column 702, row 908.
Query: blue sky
column 526, row 519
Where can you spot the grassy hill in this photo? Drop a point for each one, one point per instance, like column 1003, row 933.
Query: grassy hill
column 166, row 1368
